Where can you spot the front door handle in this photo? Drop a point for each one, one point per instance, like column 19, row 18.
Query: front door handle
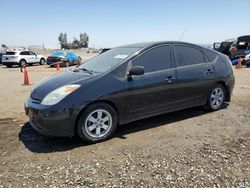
column 169, row 79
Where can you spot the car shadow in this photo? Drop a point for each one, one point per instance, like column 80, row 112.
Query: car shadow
column 14, row 67
column 38, row 143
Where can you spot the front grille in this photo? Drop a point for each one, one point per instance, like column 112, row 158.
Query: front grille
column 53, row 59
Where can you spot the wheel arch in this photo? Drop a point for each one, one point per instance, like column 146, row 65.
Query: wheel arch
column 91, row 103
column 23, row 60
column 227, row 92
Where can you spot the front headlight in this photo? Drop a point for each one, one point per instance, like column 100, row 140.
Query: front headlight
column 58, row 94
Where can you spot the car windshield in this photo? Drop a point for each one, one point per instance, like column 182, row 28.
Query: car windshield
column 109, row 59
column 58, row 54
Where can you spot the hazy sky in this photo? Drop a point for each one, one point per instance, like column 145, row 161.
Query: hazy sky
column 115, row 22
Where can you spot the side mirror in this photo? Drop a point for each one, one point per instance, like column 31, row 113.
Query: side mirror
column 136, row 71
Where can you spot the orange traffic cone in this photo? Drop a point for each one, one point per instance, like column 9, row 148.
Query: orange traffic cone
column 239, row 65
column 57, row 66
column 26, row 80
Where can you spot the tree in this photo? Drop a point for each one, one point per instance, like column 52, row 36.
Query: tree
column 4, row 46
column 75, row 44
column 83, row 43
column 84, row 40
column 63, row 40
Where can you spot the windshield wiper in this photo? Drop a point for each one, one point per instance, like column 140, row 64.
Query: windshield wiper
column 83, row 69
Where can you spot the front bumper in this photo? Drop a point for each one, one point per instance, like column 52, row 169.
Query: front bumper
column 54, row 63
column 53, row 120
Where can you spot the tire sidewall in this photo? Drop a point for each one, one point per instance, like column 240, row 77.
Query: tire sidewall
column 209, row 97
column 81, row 123
column 42, row 61
column 67, row 64
column 23, row 64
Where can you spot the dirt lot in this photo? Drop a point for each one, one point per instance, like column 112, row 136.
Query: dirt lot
column 189, row 148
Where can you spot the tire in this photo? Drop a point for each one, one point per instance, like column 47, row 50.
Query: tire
column 248, row 63
column 97, row 123
column 9, row 65
column 42, row 61
column 66, row 64
column 22, row 63
column 216, row 98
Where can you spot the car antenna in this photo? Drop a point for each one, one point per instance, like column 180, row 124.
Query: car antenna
column 184, row 32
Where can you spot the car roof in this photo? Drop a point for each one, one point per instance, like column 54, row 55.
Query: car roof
column 16, row 51
column 151, row 44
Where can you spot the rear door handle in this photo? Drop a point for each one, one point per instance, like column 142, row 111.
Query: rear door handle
column 169, row 79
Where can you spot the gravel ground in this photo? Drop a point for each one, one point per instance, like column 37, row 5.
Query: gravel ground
column 188, row 148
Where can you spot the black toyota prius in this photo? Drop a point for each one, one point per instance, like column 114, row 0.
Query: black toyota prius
column 129, row 83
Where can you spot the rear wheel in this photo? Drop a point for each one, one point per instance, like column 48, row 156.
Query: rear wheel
column 23, row 63
column 9, row 65
column 97, row 123
column 216, row 98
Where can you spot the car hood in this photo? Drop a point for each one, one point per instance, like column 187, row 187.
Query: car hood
column 56, row 81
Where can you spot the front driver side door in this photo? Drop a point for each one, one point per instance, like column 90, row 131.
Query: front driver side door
column 32, row 57
column 152, row 93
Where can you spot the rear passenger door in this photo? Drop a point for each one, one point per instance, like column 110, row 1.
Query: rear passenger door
column 25, row 55
column 194, row 75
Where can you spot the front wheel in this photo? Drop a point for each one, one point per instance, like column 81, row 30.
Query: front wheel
column 42, row 61
column 97, row 123
column 66, row 64
column 216, row 98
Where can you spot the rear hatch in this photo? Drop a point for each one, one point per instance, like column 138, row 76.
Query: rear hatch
column 8, row 56
column 242, row 46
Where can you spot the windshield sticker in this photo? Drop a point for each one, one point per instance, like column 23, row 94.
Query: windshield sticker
column 120, row 56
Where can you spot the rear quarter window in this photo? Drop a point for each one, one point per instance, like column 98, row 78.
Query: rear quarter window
column 10, row 53
column 211, row 56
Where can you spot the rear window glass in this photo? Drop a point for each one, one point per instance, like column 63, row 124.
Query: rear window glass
column 10, row 53
column 242, row 45
column 211, row 56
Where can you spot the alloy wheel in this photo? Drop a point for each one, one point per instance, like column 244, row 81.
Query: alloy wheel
column 216, row 98
column 98, row 123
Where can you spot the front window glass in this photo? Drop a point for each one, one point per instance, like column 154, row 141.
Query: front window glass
column 156, row 59
column 108, row 60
